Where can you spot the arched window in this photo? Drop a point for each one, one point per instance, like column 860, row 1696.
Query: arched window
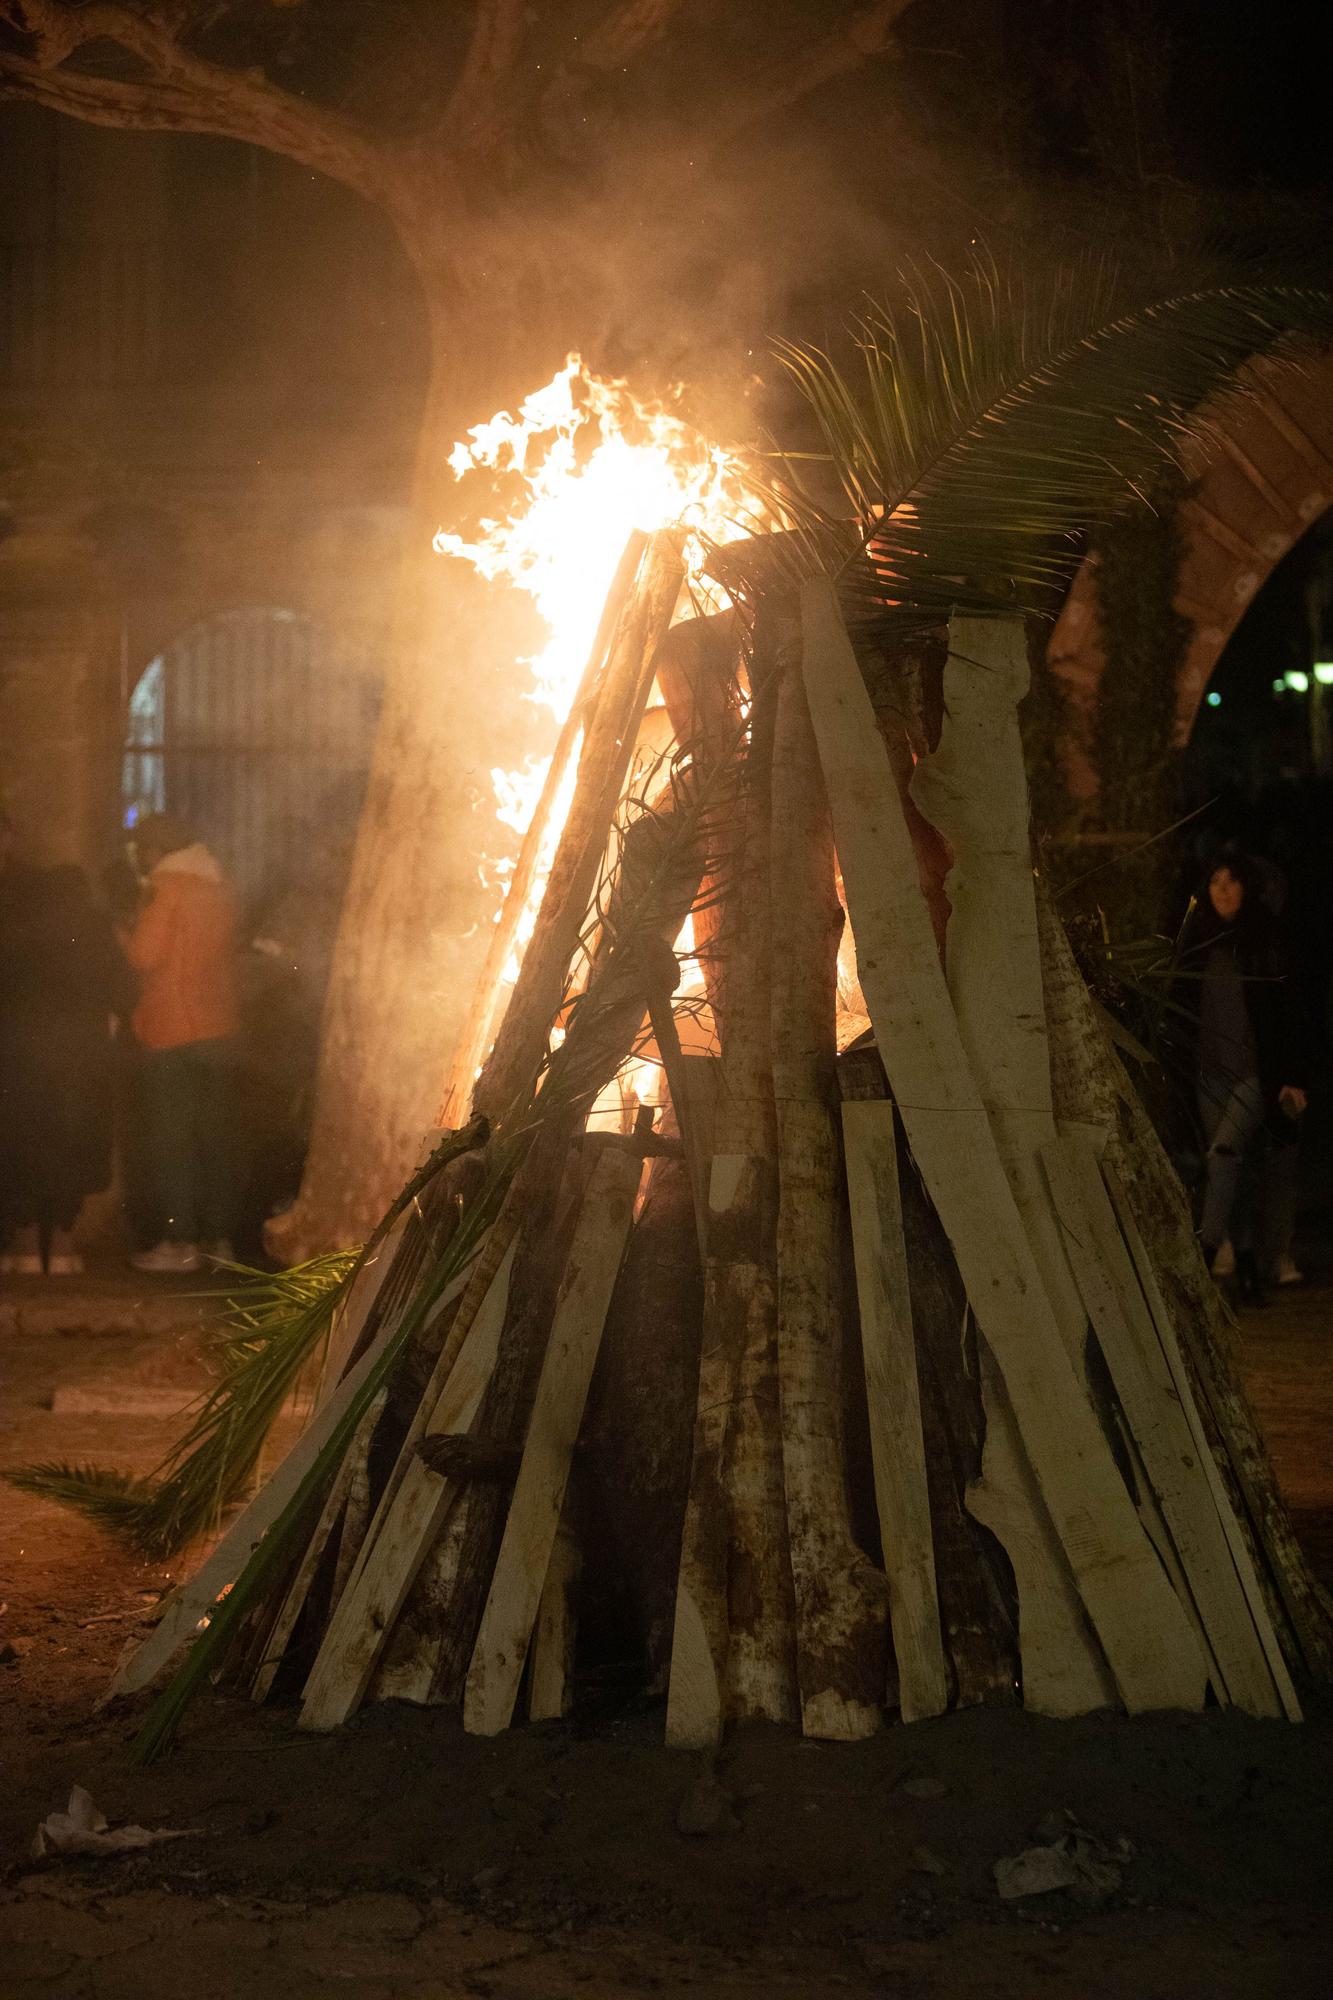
column 252, row 728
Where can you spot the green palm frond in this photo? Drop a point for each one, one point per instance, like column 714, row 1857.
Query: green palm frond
column 114, row 1500
column 991, row 421
column 273, row 1326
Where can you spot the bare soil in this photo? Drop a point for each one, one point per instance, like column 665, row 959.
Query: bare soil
column 403, row 1857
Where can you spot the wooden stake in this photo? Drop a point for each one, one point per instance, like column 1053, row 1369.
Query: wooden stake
column 841, row 1599
column 1092, row 1089
column 534, row 1513
column 550, row 1677
column 475, row 1040
column 1143, row 1630
column 395, row 1549
column 511, row 1067
column 733, row 1648
column 1156, row 1413
column 193, row 1600
column 973, row 791
column 894, row 1402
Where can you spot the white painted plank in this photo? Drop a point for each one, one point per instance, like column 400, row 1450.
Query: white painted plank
column 595, row 1255
column 973, row 789
column 893, row 1398
column 1144, row 1632
column 393, row 1554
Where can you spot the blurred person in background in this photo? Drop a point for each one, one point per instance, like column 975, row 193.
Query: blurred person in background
column 183, row 948
column 1251, row 1057
column 63, row 983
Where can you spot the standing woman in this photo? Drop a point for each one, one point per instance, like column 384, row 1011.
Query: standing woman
column 1251, row 1050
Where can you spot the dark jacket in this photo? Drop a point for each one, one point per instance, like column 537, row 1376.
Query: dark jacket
column 1282, row 1038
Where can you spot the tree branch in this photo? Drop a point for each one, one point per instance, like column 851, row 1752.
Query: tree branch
column 624, row 30
column 482, row 103
column 865, row 33
column 180, row 93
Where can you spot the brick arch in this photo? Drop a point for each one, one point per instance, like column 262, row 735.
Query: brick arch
column 1264, row 477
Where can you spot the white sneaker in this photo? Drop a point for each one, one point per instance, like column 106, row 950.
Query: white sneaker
column 1288, row 1273
column 1224, row 1263
column 170, row 1257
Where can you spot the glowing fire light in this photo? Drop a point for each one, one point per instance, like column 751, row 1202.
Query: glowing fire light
column 594, row 463
column 591, row 463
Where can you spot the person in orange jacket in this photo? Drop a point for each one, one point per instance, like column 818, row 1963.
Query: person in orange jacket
column 183, row 947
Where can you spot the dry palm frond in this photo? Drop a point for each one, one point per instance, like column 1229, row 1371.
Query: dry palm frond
column 994, row 419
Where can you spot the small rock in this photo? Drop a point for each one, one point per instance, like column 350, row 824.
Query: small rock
column 706, row 1808
column 1034, row 1872
column 924, row 1788
column 8, row 1654
column 487, row 1880
column 926, row 1862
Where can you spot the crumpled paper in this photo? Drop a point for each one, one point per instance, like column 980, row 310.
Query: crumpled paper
column 82, row 1829
column 1067, row 1857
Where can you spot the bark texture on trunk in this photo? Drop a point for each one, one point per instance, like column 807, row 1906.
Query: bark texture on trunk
column 733, row 1649
column 841, row 1598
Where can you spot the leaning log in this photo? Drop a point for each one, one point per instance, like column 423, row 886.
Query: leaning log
column 841, row 1597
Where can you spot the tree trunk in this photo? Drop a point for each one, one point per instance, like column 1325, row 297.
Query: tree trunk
column 416, row 919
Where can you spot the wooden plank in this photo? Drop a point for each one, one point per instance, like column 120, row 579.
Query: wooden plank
column 1144, row 1631
column 398, row 1542
column 594, row 1260
column 1143, row 1382
column 973, row 790
column 193, row 1600
column 334, row 1508
column 1062, row 1668
column 550, row 1679
column 350, row 1321
column 1175, row 1361
column 894, row 1402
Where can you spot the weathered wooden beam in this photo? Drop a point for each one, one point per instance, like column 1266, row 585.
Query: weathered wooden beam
column 534, row 1512
column 841, row 1598
column 393, row 1553
column 1143, row 1630
column 893, row 1401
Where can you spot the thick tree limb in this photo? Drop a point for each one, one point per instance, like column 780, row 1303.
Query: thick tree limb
column 483, row 103
column 624, row 30
column 180, row 92
column 795, row 75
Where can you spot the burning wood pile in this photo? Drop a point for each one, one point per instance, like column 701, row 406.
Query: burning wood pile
column 814, row 1371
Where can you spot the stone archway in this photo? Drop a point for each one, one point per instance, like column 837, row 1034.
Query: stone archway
column 1262, row 480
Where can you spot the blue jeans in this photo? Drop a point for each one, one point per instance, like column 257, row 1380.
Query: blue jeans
column 1233, row 1117
column 189, row 1102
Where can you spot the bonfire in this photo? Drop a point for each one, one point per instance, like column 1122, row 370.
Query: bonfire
column 798, row 1309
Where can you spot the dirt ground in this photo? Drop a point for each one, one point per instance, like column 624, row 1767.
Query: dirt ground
column 402, row 1857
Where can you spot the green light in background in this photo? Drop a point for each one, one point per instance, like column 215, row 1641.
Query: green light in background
column 1323, row 672
column 1214, row 698
column 1297, row 681
column 1279, row 687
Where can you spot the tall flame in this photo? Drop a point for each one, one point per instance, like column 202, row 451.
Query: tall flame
column 592, row 464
